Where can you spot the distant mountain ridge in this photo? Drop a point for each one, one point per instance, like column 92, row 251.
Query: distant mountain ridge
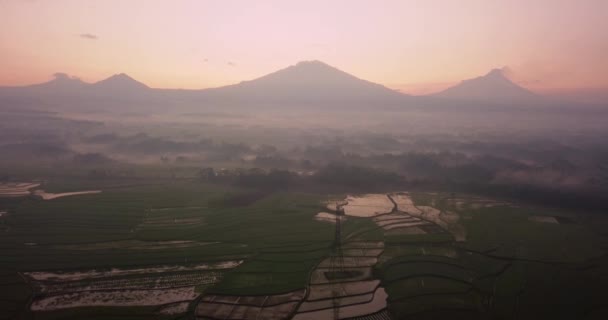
column 60, row 82
column 306, row 84
column 495, row 86
column 120, row 82
column 307, row 81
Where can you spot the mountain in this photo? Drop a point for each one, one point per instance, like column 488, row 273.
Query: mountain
column 67, row 93
column 119, row 82
column 61, row 83
column 307, row 82
column 68, row 85
column 492, row 87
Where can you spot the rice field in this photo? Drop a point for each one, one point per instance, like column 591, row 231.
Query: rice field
column 17, row 189
column 179, row 249
column 479, row 256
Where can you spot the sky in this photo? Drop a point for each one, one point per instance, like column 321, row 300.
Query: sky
column 416, row 46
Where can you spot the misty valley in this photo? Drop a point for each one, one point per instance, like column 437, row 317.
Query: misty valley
column 307, row 193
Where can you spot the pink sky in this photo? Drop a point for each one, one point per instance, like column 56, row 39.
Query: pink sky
column 415, row 46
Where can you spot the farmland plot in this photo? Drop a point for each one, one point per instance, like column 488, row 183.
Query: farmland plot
column 17, row 189
column 114, row 298
column 249, row 307
column 368, row 205
column 157, row 281
column 50, row 196
column 94, row 274
column 345, row 285
column 123, row 287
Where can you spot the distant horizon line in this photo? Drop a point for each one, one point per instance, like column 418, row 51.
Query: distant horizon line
column 424, row 88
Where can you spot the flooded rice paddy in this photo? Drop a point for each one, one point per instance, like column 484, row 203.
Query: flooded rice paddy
column 407, row 253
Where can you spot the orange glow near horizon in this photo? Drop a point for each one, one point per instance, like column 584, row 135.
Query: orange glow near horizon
column 414, row 46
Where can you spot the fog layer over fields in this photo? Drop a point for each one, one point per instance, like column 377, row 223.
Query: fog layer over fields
column 312, row 122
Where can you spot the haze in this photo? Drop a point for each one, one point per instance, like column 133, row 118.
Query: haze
column 303, row 160
column 414, row 46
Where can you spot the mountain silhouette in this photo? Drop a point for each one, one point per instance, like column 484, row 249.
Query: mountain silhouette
column 492, row 87
column 68, row 85
column 61, row 83
column 303, row 85
column 119, row 82
column 68, row 93
column 307, row 81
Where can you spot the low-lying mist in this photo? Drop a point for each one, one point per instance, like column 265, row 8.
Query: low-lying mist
column 559, row 155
